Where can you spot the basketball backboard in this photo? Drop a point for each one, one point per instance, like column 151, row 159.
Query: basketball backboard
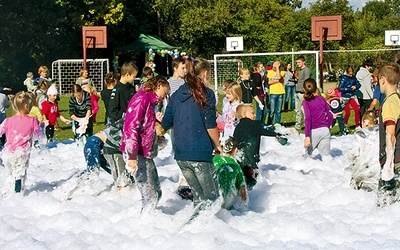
column 331, row 24
column 392, row 37
column 94, row 36
column 234, row 43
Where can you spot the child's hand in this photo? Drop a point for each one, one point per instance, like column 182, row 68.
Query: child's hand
column 159, row 116
column 261, row 105
column 46, row 123
column 132, row 166
column 307, row 142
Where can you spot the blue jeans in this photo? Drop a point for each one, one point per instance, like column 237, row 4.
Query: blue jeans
column 290, row 92
column 93, row 155
column 275, row 102
column 261, row 114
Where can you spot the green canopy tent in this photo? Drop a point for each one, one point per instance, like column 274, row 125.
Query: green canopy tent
column 146, row 42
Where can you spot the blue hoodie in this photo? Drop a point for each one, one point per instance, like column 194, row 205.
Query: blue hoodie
column 190, row 124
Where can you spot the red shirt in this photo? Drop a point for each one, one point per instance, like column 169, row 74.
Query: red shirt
column 50, row 110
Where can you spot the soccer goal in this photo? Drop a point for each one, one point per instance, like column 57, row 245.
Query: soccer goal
column 66, row 71
column 226, row 65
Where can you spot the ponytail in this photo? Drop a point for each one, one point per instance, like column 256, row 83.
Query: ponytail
column 310, row 87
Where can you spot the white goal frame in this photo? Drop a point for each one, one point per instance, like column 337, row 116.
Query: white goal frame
column 316, row 53
column 66, row 71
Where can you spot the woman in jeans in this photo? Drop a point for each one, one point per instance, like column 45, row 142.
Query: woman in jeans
column 191, row 112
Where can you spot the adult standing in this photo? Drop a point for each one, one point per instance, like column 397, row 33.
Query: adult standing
column 191, row 112
column 276, row 92
column 290, row 87
column 364, row 77
column 304, row 73
column 258, row 92
column 80, row 112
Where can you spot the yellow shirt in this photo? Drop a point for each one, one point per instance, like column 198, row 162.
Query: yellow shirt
column 391, row 109
column 276, row 88
column 35, row 112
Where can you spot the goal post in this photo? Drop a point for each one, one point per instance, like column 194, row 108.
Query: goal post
column 66, row 71
column 312, row 59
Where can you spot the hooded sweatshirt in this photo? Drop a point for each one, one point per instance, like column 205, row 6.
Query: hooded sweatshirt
column 190, row 124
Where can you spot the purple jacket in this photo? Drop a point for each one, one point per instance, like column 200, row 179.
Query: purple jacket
column 317, row 114
column 139, row 126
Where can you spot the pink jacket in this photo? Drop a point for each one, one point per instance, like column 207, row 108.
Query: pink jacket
column 139, row 126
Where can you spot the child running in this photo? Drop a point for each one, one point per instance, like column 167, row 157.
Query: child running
column 248, row 136
column 51, row 112
column 230, row 176
column 317, row 120
column 20, row 130
column 139, row 140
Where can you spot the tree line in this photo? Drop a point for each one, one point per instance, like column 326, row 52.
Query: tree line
column 38, row 32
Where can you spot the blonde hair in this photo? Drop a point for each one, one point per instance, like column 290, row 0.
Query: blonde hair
column 226, row 84
column 83, row 70
column 43, row 69
column 243, row 71
column 242, row 109
column 370, row 119
column 92, row 90
column 22, row 102
column 235, row 90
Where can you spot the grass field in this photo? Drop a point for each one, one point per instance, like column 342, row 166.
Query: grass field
column 287, row 120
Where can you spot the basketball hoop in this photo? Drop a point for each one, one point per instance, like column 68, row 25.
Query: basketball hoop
column 93, row 37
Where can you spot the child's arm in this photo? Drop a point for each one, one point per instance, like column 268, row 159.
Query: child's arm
column 388, row 168
column 95, row 103
column 64, row 119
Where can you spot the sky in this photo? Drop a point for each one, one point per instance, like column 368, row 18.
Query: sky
column 356, row 4
column 298, row 203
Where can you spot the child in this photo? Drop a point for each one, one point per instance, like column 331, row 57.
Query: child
column 147, row 73
column 248, row 134
column 94, row 100
column 50, row 113
column 348, row 86
column 336, row 104
column 20, row 130
column 83, row 78
column 4, row 105
column 317, row 120
column 43, row 72
column 230, row 176
column 220, row 119
column 139, row 138
column 233, row 97
column 246, row 85
column 389, row 148
column 365, row 165
column 109, row 81
column 29, row 83
column 40, row 94
column 80, row 112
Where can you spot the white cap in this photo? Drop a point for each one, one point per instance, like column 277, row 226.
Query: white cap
column 52, row 90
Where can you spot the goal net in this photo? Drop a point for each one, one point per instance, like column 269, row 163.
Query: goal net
column 226, row 66
column 66, row 71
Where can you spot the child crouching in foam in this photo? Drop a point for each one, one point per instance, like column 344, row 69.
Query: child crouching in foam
column 230, row 176
column 248, row 136
column 364, row 163
column 20, row 130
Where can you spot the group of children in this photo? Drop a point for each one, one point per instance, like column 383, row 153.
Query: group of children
column 128, row 145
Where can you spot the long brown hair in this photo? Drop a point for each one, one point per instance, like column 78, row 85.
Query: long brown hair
column 310, row 87
column 196, row 85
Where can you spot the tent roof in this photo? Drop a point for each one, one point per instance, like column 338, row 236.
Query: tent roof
column 146, row 42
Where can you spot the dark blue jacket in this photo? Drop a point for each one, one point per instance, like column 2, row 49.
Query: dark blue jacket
column 190, row 124
column 345, row 85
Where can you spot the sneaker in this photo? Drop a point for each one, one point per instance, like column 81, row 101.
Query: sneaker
column 387, row 185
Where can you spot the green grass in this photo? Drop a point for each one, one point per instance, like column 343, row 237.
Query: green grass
column 287, row 120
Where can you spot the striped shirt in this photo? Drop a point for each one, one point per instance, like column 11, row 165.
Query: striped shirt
column 174, row 84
